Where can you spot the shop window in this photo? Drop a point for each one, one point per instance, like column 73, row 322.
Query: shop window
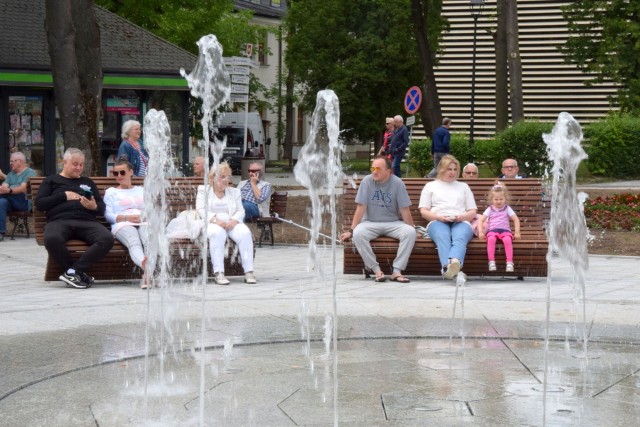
column 171, row 103
column 26, row 130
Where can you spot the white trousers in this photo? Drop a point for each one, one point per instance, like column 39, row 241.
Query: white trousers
column 135, row 239
column 241, row 234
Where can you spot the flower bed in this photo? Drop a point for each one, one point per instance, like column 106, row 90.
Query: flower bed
column 618, row 212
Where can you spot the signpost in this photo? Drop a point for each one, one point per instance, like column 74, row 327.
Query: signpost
column 412, row 101
column 238, row 68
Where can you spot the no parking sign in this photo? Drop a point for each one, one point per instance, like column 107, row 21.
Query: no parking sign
column 412, row 100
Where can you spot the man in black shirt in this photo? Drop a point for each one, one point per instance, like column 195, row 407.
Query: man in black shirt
column 72, row 203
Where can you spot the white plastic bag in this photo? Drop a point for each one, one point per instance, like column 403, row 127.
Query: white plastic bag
column 187, row 225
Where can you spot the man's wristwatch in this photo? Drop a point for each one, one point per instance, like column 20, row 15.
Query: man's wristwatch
column 350, row 231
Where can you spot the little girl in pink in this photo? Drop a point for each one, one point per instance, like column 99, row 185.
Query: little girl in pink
column 497, row 217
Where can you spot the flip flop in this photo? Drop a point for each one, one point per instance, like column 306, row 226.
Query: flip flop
column 381, row 279
column 400, row 279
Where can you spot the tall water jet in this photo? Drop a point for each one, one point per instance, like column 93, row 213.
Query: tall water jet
column 210, row 81
column 567, row 229
column 319, row 168
column 157, row 136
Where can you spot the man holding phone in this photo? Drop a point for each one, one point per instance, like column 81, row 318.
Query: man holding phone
column 72, row 203
column 255, row 193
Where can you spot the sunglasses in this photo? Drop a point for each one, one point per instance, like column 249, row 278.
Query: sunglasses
column 375, row 169
column 471, row 173
column 254, row 170
column 121, row 172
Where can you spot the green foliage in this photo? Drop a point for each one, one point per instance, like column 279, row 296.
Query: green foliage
column 523, row 142
column 604, row 39
column 363, row 50
column 460, row 148
column 184, row 22
column 419, row 156
column 490, row 153
column 614, row 146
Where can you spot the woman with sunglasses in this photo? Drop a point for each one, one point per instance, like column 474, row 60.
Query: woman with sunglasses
column 124, row 206
column 224, row 215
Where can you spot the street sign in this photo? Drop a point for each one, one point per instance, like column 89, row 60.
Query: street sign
column 411, row 120
column 239, row 60
column 412, row 100
column 239, row 88
column 238, row 69
column 239, row 98
column 237, row 78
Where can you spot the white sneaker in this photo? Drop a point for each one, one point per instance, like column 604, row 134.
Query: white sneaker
column 220, row 279
column 509, row 268
column 492, row 266
column 250, row 278
column 453, row 268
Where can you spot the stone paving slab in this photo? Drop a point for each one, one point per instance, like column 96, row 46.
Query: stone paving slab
column 69, row 357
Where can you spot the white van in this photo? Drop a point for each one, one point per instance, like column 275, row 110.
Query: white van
column 231, row 125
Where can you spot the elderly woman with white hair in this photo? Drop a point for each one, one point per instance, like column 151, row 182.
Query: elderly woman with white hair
column 224, row 215
column 132, row 148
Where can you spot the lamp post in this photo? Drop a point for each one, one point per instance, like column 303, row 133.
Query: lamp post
column 475, row 7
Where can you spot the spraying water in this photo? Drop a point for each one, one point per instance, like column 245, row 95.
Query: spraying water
column 567, row 230
column 319, row 168
column 157, row 136
column 209, row 81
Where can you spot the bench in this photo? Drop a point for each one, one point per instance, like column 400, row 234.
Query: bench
column 530, row 252
column 20, row 222
column 277, row 210
column 186, row 259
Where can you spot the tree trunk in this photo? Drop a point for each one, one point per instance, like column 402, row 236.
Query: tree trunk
column 515, row 64
column 73, row 36
column 502, row 80
column 430, row 108
column 290, row 119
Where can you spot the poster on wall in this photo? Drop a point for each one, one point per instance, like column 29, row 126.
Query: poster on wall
column 25, row 128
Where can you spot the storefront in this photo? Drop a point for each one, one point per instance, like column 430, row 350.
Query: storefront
column 140, row 73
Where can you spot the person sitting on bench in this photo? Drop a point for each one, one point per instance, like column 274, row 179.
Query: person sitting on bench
column 255, row 192
column 383, row 209
column 13, row 190
column 72, row 203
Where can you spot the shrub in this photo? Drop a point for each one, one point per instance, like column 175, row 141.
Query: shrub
column 491, row 153
column 523, row 142
column 460, row 148
column 619, row 212
column 614, row 146
column 419, row 157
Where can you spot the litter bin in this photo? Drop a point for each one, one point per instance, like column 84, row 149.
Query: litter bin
column 246, row 162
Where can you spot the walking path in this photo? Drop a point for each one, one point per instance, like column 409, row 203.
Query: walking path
column 73, row 357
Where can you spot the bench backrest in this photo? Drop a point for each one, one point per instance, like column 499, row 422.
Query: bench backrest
column 180, row 196
column 527, row 199
column 278, row 206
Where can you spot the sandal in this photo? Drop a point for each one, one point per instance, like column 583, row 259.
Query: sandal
column 400, row 279
column 381, row 278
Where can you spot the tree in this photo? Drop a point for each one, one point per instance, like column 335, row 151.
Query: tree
column 73, row 37
column 514, row 60
column 604, row 40
column 428, row 26
column 363, row 50
column 502, row 69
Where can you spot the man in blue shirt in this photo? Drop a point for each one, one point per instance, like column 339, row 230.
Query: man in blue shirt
column 440, row 145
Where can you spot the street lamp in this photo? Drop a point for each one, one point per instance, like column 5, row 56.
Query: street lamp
column 475, row 7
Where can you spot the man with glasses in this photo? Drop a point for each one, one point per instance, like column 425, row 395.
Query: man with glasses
column 470, row 171
column 13, row 190
column 383, row 209
column 510, row 169
column 255, row 192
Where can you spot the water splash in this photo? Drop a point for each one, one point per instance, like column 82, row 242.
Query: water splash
column 210, row 81
column 567, row 229
column 157, row 136
column 318, row 169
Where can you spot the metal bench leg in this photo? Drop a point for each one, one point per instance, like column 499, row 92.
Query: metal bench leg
column 271, row 233
column 262, row 234
column 20, row 223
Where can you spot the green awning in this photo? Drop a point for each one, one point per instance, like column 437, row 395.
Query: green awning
column 44, row 79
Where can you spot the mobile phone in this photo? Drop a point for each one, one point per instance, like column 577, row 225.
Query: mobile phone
column 88, row 194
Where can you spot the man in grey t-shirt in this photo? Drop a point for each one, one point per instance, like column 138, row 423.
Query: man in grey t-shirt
column 382, row 210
